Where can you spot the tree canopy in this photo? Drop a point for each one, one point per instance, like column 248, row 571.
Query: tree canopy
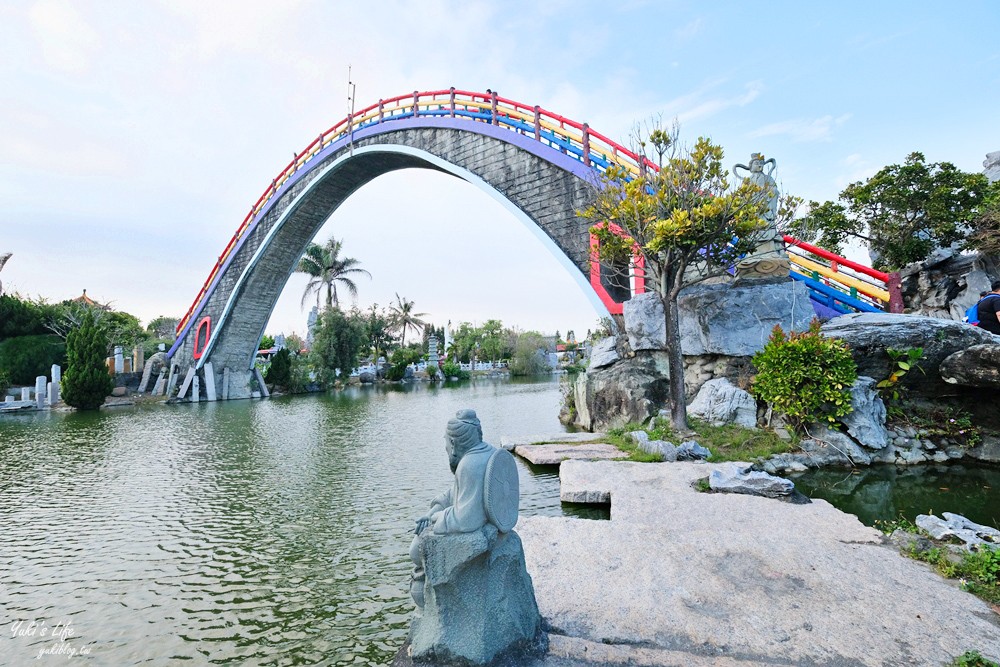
column 903, row 212
column 326, row 269
column 685, row 221
column 404, row 318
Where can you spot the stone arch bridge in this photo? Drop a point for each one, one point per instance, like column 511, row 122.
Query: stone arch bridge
column 540, row 165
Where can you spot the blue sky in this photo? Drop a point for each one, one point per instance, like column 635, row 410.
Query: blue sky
column 135, row 136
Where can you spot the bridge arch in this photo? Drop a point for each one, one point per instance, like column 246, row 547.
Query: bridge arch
column 540, row 171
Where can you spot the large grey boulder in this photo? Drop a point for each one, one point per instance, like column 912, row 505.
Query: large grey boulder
column 478, row 600
column 719, row 402
column 631, row 390
column 991, row 166
column 956, row 525
column 869, row 335
column 988, row 450
column 604, row 353
column 947, row 282
column 736, row 320
column 866, row 421
column 644, row 322
column 976, row 366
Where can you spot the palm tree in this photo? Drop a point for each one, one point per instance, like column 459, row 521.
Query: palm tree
column 327, row 268
column 404, row 317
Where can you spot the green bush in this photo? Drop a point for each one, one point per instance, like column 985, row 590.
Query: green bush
column 26, row 357
column 4, row 384
column 452, row 370
column 19, row 317
column 86, row 382
column 299, row 377
column 279, row 373
column 805, row 376
column 972, row 659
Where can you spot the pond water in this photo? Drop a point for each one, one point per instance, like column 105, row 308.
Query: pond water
column 270, row 532
column 887, row 492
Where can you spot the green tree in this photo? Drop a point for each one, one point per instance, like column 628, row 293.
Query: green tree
column 377, row 331
column 280, row 371
column 163, row 327
column 337, row 341
column 529, row 355
column 86, row 382
column 24, row 358
column 266, row 342
column 21, row 317
column 684, row 220
column 327, row 268
column 404, row 318
column 903, row 212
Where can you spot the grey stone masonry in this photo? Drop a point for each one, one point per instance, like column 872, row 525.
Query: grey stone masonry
column 549, row 195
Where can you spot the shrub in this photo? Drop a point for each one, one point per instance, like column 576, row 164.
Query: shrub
column 805, row 376
column 26, row 357
column 280, row 371
column 19, row 317
column 86, row 382
column 452, row 370
column 4, row 383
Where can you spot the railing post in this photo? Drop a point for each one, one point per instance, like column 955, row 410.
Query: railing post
column 586, row 144
column 453, row 101
column 415, row 98
column 380, row 110
column 493, row 106
column 895, row 287
column 538, row 123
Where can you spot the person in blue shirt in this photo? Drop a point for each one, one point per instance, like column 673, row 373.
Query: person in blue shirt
column 988, row 308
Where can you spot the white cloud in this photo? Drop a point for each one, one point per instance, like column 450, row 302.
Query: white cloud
column 803, row 130
column 67, row 41
column 688, row 31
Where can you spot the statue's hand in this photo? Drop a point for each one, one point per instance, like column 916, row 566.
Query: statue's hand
column 422, row 523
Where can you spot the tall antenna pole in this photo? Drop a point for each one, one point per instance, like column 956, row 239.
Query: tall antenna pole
column 350, row 110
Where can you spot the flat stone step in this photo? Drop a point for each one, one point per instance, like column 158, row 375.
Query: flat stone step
column 510, row 442
column 555, row 453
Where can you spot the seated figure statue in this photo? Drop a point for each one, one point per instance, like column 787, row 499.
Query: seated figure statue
column 473, row 593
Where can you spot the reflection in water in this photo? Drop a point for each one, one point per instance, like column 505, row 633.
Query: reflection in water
column 887, row 492
column 271, row 532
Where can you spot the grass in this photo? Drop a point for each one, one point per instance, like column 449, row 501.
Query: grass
column 978, row 571
column 727, row 443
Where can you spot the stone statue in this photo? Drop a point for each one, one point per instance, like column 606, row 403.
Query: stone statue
column 474, row 596
column 768, row 261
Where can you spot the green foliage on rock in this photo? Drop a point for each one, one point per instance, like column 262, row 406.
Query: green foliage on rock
column 26, row 357
column 805, row 376
column 972, row 659
column 452, row 370
column 337, row 341
column 279, row 373
column 86, row 382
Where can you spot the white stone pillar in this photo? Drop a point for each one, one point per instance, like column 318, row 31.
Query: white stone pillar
column 25, row 393
column 195, row 388
column 40, row 383
column 119, row 360
column 209, row 382
column 56, row 393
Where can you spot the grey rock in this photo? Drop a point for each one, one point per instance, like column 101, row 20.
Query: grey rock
column 975, row 366
column 988, row 450
column 667, row 451
column 638, row 437
column 869, row 335
column 631, row 390
column 644, row 322
column 956, row 525
column 719, row 402
column 690, row 450
column 991, row 166
column 866, row 421
column 737, row 320
column 603, row 353
column 740, row 479
column 830, row 447
column 366, row 378
column 478, row 599
column 554, row 454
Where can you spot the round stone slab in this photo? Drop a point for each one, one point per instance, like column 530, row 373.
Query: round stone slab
column 501, row 492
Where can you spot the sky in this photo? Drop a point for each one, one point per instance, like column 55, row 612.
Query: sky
column 135, row 136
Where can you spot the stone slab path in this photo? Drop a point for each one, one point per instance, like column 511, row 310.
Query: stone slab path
column 510, row 442
column 555, row 454
column 679, row 577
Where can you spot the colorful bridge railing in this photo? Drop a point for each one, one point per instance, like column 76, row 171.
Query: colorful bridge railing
column 842, row 285
column 572, row 138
